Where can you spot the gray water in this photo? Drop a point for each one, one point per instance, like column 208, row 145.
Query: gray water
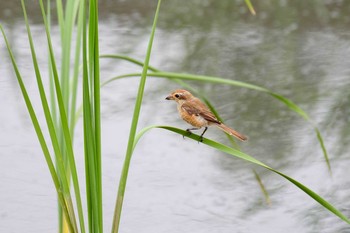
column 300, row 49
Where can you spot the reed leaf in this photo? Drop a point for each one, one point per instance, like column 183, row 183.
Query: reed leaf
column 250, row 7
column 262, row 187
column 129, row 59
column 248, row 158
column 91, row 116
column 134, row 123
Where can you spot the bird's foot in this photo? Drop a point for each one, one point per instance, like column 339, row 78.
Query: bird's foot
column 188, row 133
column 200, row 139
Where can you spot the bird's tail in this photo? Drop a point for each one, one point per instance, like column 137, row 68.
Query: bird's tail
column 232, row 132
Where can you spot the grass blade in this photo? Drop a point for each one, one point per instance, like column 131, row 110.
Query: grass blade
column 77, row 56
column 129, row 59
column 323, row 147
column 246, row 157
column 96, row 69
column 124, row 175
column 262, row 187
column 91, row 108
column 88, row 135
column 250, row 7
column 91, row 117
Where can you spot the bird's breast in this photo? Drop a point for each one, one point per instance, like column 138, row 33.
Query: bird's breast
column 193, row 119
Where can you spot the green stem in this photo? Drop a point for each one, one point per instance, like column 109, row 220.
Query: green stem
column 124, row 175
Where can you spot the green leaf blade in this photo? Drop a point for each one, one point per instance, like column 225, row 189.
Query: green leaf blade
column 248, row 158
column 134, row 123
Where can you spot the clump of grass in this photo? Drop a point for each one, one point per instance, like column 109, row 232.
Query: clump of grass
column 60, row 116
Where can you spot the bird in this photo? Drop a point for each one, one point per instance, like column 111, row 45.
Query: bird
column 196, row 113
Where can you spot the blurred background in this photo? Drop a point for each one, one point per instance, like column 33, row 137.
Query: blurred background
column 300, row 49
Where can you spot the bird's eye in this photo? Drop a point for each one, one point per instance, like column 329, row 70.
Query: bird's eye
column 177, row 95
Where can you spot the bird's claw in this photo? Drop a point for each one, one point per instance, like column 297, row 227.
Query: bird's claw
column 188, row 132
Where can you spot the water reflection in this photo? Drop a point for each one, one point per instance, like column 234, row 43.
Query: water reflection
column 296, row 48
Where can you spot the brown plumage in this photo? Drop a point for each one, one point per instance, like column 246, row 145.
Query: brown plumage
column 196, row 113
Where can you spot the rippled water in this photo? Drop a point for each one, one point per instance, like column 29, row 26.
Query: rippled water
column 178, row 185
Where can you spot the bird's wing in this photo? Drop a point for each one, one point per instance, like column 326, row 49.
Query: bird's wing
column 199, row 109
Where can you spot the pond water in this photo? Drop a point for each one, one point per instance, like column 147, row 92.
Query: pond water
column 300, row 49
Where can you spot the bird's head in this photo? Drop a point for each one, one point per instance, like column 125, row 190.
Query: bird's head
column 179, row 95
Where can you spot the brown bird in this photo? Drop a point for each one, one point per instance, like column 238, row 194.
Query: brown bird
column 196, row 113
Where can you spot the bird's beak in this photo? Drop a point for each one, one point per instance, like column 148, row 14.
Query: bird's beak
column 169, row 97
